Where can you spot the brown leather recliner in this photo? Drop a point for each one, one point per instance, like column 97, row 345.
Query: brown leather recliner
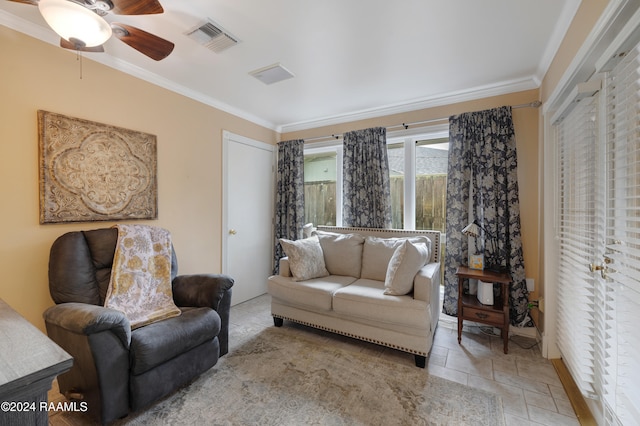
column 117, row 370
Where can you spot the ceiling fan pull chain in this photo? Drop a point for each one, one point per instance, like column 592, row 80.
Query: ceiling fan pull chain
column 79, row 58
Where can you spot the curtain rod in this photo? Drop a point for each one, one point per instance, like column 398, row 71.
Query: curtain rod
column 534, row 104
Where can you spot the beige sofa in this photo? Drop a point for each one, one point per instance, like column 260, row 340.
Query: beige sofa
column 351, row 299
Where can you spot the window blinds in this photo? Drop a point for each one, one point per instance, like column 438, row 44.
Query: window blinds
column 621, row 378
column 598, row 222
column 578, row 231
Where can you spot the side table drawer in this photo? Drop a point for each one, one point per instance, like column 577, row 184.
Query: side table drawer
column 481, row 315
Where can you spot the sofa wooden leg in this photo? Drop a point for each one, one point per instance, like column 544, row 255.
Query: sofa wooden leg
column 421, row 361
column 278, row 321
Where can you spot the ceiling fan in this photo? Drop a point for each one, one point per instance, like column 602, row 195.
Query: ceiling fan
column 81, row 25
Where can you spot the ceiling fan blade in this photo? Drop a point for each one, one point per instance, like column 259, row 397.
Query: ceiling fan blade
column 146, row 43
column 31, row 2
column 68, row 45
column 136, row 7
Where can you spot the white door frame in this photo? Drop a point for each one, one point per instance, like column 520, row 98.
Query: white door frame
column 227, row 138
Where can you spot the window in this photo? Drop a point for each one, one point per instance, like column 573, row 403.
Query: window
column 321, row 190
column 395, row 152
column 418, row 176
column 432, row 157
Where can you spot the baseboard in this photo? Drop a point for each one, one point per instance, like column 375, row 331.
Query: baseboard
column 573, row 393
column 531, row 332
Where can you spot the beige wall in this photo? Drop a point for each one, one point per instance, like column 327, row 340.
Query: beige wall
column 526, row 128
column 35, row 75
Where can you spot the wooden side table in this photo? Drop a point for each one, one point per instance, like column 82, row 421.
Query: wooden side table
column 470, row 308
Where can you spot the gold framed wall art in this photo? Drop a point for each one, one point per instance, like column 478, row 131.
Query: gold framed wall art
column 95, row 172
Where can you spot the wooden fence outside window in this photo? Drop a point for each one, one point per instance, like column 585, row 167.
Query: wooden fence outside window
column 431, row 190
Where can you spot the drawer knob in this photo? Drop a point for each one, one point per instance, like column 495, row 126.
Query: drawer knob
column 481, row 315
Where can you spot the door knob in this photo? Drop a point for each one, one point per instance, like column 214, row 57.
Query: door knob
column 602, row 268
column 593, row 267
column 232, row 232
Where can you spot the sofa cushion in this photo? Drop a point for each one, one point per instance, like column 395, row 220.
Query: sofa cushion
column 377, row 252
column 161, row 341
column 306, row 260
column 315, row 293
column 405, row 263
column 365, row 300
column 342, row 252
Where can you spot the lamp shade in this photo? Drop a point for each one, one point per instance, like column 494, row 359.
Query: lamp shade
column 471, row 230
column 75, row 23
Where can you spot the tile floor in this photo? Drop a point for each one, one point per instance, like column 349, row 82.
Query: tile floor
column 528, row 384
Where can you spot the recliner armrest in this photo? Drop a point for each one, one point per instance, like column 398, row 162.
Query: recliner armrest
column 201, row 290
column 426, row 282
column 207, row 290
column 83, row 318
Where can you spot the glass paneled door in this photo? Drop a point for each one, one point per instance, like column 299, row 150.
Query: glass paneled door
column 580, row 236
column 620, row 266
column 598, row 233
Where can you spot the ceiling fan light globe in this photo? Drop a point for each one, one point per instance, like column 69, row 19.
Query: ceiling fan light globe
column 74, row 23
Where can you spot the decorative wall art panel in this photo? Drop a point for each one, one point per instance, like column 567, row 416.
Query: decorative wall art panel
column 95, row 172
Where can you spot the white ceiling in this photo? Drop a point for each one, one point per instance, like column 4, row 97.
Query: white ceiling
column 351, row 58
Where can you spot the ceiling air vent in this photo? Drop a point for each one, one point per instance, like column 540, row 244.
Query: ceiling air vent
column 213, row 36
column 272, row 74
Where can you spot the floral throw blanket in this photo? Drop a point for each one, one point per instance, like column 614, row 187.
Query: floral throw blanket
column 140, row 283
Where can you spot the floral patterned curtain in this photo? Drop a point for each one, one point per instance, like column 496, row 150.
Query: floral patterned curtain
column 366, row 190
column 482, row 184
column 289, row 205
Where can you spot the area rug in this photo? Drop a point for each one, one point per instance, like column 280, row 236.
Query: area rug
column 280, row 377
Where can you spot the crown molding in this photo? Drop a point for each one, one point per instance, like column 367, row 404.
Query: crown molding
column 582, row 67
column 46, row 35
column 557, row 36
column 27, row 27
column 480, row 92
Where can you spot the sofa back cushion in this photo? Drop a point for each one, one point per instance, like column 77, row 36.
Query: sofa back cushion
column 377, row 253
column 342, row 253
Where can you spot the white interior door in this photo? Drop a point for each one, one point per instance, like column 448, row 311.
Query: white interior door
column 248, row 175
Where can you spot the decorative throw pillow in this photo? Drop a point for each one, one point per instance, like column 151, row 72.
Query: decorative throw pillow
column 342, row 252
column 405, row 263
column 377, row 253
column 306, row 260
